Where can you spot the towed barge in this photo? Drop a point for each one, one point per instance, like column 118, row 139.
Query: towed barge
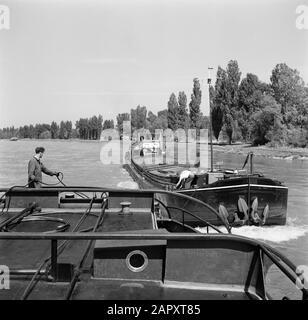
column 245, row 198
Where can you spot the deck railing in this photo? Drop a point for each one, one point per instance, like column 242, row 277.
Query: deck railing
column 283, row 263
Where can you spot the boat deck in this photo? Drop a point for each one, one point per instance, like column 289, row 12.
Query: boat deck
column 96, row 289
column 29, row 254
column 114, row 253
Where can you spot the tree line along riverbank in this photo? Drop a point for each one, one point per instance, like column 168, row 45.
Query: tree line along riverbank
column 242, row 109
column 286, row 153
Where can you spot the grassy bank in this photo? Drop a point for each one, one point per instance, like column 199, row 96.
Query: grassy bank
column 287, row 153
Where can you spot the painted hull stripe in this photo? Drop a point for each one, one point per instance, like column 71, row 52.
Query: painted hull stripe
column 235, row 186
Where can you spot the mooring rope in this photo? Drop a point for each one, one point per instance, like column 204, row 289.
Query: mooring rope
column 85, row 255
column 60, row 249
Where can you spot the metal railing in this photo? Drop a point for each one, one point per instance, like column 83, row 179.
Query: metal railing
column 283, row 263
column 118, row 191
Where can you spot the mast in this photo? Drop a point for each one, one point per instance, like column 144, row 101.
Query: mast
column 209, row 79
column 251, row 162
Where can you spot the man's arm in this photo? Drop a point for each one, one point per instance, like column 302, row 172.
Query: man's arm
column 31, row 169
column 179, row 182
column 184, row 175
column 47, row 171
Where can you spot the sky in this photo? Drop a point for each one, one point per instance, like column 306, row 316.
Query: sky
column 62, row 60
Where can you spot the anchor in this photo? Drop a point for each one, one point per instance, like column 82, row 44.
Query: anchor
column 244, row 215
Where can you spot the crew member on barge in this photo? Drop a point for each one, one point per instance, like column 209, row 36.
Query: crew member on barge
column 35, row 169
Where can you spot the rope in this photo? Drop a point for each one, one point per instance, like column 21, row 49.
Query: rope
column 25, row 212
column 60, row 181
column 82, row 195
column 60, row 249
column 6, row 193
column 85, row 255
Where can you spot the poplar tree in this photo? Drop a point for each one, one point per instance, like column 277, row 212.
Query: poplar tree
column 194, row 105
column 172, row 112
column 220, row 100
column 182, row 115
column 231, row 108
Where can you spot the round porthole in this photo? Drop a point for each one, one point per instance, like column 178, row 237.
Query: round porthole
column 137, row 261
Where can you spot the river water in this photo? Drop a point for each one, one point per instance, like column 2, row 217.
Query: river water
column 81, row 164
column 294, row 174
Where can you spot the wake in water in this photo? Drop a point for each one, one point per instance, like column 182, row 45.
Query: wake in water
column 277, row 234
column 128, row 185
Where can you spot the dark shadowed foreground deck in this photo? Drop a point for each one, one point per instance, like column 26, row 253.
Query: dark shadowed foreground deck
column 93, row 247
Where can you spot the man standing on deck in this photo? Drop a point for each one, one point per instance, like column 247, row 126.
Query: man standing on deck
column 35, row 169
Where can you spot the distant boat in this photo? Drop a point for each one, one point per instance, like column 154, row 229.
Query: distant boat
column 14, row 139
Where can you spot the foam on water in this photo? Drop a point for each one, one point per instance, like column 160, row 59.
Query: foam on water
column 276, row 234
column 128, row 185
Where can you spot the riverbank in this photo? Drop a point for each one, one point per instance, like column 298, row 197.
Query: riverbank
column 286, row 153
column 54, row 140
